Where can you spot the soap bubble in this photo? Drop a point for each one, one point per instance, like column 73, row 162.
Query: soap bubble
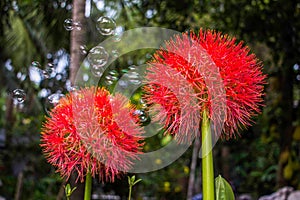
column 68, row 24
column 19, row 95
column 36, row 64
column 83, row 49
column 105, row 25
column 98, row 56
column 52, row 101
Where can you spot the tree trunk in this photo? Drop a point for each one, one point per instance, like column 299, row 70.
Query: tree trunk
column 77, row 39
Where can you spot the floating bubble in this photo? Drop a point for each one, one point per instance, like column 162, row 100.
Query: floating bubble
column 111, row 77
column 36, row 64
column 105, row 25
column 55, row 98
column 48, row 70
column 72, row 88
column 109, row 82
column 123, row 83
column 142, row 115
column 83, row 49
column 143, row 103
column 117, row 38
column 98, row 56
column 114, row 73
column 77, row 25
column 132, row 67
column 52, row 101
column 97, row 70
column 19, row 95
column 115, row 53
column 68, row 24
column 134, row 78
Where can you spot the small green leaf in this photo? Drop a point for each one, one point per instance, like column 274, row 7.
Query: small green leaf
column 68, row 190
column 137, row 181
column 74, row 188
column 132, row 179
column 129, row 180
column 223, row 189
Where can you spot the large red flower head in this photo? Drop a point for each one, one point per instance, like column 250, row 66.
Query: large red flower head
column 226, row 80
column 90, row 131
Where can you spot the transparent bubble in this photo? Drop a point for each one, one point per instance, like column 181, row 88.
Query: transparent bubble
column 68, row 24
column 117, row 38
column 115, row 53
column 134, row 78
column 36, row 64
column 48, row 70
column 97, row 70
column 109, row 82
column 123, row 83
column 132, row 67
column 53, row 101
column 143, row 103
column 19, row 95
column 83, row 49
column 72, row 88
column 111, row 77
column 142, row 115
column 105, row 25
column 77, row 25
column 114, row 73
column 98, row 56
column 55, row 98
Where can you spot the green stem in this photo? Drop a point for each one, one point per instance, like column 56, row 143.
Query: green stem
column 207, row 160
column 130, row 189
column 88, row 186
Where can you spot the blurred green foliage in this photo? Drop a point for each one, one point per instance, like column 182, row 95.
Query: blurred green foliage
column 267, row 154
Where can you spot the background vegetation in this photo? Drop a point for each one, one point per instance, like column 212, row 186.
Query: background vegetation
column 266, row 157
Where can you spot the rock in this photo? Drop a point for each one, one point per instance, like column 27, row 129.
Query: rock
column 294, row 195
column 245, row 197
column 281, row 194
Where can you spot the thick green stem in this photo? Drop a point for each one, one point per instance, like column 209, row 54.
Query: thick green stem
column 207, row 160
column 88, row 187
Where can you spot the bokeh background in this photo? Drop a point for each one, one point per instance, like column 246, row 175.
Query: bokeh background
column 37, row 44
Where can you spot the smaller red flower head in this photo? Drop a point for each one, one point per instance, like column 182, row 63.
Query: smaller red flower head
column 201, row 59
column 91, row 131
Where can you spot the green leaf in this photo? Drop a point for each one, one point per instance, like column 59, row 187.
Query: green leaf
column 129, row 180
column 132, row 179
column 69, row 190
column 137, row 181
column 223, row 189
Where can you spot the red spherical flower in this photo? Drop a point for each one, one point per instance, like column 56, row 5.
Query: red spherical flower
column 227, row 81
column 91, row 131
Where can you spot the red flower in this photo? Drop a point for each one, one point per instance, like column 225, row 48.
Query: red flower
column 91, row 131
column 201, row 59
